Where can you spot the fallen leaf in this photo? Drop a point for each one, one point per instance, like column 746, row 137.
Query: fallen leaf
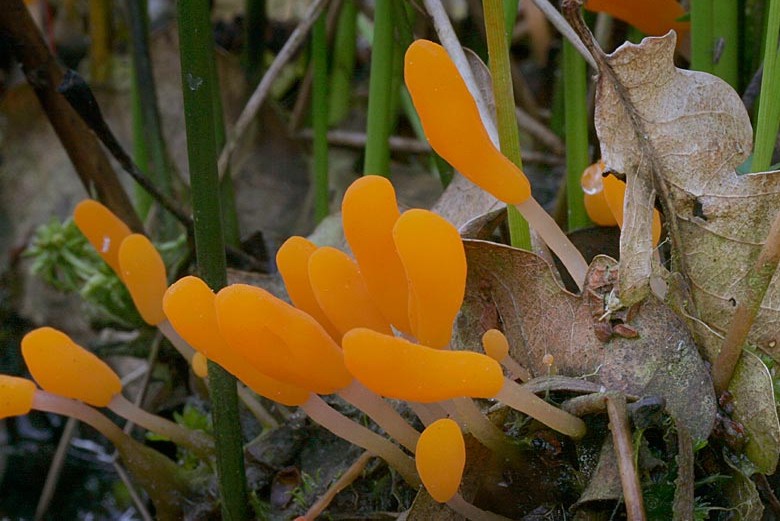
column 516, row 292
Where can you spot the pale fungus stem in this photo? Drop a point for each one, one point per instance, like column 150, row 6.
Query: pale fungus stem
column 528, row 403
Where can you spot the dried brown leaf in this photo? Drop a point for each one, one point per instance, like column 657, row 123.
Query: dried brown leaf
column 515, row 291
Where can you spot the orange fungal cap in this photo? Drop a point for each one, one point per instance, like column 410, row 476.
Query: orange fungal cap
column 432, row 253
column 189, row 305
column 104, row 230
column 452, row 124
column 368, row 213
column 615, row 195
column 495, row 344
column 143, row 272
column 200, row 365
column 280, row 340
column 593, row 195
column 440, row 457
column 16, row 396
column 396, row 368
column 292, row 259
column 342, row 293
column 62, row 367
column 653, row 18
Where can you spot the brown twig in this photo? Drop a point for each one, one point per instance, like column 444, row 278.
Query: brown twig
column 683, row 495
column 44, row 75
column 624, row 449
column 758, row 280
column 346, row 479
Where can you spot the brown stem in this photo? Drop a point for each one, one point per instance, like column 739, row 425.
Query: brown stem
column 624, row 449
column 44, row 75
column 757, row 283
column 683, row 495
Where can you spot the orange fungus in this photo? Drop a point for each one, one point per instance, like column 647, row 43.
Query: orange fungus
column 62, row 367
column 292, row 259
column 189, row 305
column 104, row 230
column 396, row 368
column 593, row 194
column 495, row 344
column 16, row 396
column 452, row 124
column 369, row 212
column 654, row 18
column 432, row 253
column 143, row 272
column 440, row 457
column 342, row 293
column 615, row 195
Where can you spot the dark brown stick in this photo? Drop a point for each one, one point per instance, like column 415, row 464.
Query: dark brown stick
column 44, row 75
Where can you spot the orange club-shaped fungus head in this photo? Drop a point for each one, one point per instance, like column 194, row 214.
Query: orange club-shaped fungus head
column 440, row 457
column 342, row 293
column 495, row 344
column 654, row 18
column 452, row 124
column 104, row 230
column 143, row 272
column 16, row 396
column 280, row 340
column 396, row 368
column 593, row 195
column 60, row 366
column 189, row 305
column 292, row 260
column 368, row 213
column 434, row 260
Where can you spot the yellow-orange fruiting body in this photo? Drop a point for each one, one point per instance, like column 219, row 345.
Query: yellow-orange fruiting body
column 342, row 293
column 61, row 366
column 432, row 253
column 652, row 18
column 200, row 365
column 440, row 457
column 292, row 259
column 104, row 230
column 280, row 340
column 495, row 344
column 615, row 195
column 451, row 122
column 143, row 272
column 16, row 396
column 369, row 212
column 189, row 305
column 396, row 368
column 593, row 195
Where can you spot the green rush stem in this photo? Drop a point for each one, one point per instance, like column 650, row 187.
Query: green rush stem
column 575, row 91
column 768, row 120
column 196, row 47
column 725, row 35
column 702, row 35
column 508, row 134
column 319, row 115
column 510, row 17
column 151, row 148
column 380, row 96
column 342, row 70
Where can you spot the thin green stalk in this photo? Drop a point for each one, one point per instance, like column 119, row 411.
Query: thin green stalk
column 510, row 17
column 196, row 47
column 380, row 96
column 254, row 36
column 575, row 91
column 319, row 115
column 344, row 51
column 768, row 120
column 156, row 161
column 508, row 135
column 725, row 33
column 702, row 35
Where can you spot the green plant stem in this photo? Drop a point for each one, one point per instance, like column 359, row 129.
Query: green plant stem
column 510, row 17
column 319, row 115
column 768, row 120
column 575, row 91
column 196, row 47
column 344, row 52
column 155, row 156
column 725, row 29
column 254, row 35
column 509, row 137
column 380, row 96
column 702, row 35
